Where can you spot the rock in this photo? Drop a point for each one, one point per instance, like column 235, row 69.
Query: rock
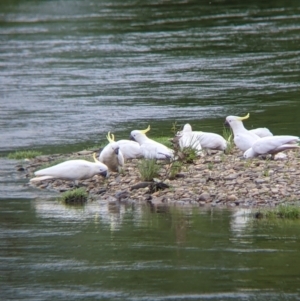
column 140, row 185
column 85, row 153
column 232, row 198
column 204, row 197
column 262, row 180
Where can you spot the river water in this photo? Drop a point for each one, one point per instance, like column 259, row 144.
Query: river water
column 72, row 70
column 117, row 252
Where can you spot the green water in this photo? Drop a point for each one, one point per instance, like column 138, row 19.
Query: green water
column 73, row 70
column 124, row 252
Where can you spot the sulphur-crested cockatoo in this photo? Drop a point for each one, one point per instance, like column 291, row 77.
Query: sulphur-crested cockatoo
column 129, row 148
column 188, row 138
column 112, row 156
column 271, row 145
column 198, row 139
column 243, row 138
column 150, row 148
column 73, row 170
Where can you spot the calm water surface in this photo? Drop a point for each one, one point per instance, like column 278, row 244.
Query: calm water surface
column 117, row 252
column 72, row 70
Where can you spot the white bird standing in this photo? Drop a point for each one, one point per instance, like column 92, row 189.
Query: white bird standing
column 199, row 140
column 271, row 145
column 129, row 148
column 150, row 148
column 243, row 138
column 73, row 170
column 112, row 156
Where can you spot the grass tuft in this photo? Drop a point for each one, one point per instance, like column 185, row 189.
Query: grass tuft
column 175, row 169
column 19, row 155
column 228, row 136
column 76, row 196
column 282, row 211
column 148, row 169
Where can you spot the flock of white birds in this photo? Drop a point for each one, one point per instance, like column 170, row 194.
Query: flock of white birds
column 113, row 156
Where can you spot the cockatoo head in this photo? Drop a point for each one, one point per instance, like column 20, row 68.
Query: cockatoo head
column 235, row 122
column 139, row 135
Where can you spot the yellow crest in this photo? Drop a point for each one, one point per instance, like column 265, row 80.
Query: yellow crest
column 95, row 159
column 146, row 130
column 110, row 137
column 245, row 117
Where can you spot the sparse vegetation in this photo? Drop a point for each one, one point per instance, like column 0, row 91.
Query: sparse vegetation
column 76, row 196
column 175, row 128
column 148, row 169
column 228, row 136
column 210, row 165
column 281, row 211
column 187, row 155
column 19, row 155
column 175, row 168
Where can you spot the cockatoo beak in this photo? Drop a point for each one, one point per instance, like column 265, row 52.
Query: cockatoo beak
column 244, row 118
column 116, row 151
column 146, row 130
column 104, row 173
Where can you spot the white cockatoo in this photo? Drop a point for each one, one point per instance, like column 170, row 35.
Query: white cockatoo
column 188, row 138
column 199, row 140
column 150, row 148
column 73, row 170
column 129, row 148
column 243, row 138
column 271, row 145
column 112, row 156
column 212, row 141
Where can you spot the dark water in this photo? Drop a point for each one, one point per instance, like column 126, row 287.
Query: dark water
column 73, row 70
column 110, row 252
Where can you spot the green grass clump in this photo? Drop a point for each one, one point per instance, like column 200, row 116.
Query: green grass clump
column 18, row 155
column 175, row 169
column 148, row 169
column 282, row 211
column 228, row 136
column 76, row 196
column 188, row 155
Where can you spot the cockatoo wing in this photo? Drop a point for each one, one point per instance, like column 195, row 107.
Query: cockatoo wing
column 189, row 139
column 274, row 144
column 244, row 140
column 130, row 149
column 72, row 170
column 155, row 150
column 261, row 132
column 212, row 141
